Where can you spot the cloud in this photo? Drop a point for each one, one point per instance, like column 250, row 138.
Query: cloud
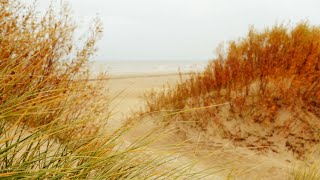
column 183, row 29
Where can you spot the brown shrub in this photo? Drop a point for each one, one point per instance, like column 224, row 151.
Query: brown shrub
column 260, row 75
column 281, row 59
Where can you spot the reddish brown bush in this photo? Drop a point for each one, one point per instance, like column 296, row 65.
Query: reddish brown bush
column 283, row 60
column 259, row 75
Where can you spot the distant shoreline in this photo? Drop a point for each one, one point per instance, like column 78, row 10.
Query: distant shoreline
column 146, row 68
column 119, row 76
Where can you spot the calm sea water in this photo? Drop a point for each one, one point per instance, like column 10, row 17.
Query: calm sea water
column 147, row 67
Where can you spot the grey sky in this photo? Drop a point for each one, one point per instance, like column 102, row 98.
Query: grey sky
column 183, row 29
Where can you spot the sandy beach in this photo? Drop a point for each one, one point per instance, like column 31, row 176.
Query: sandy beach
column 129, row 80
column 126, row 92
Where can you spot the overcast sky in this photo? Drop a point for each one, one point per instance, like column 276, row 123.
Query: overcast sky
column 183, row 29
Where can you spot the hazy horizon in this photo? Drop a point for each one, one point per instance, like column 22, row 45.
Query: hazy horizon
column 182, row 29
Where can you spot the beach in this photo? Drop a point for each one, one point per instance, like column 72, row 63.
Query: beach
column 155, row 90
column 128, row 81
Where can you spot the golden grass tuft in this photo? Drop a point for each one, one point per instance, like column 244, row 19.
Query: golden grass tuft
column 52, row 117
column 305, row 172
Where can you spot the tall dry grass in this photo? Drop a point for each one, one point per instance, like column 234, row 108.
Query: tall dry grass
column 52, row 117
column 284, row 57
column 39, row 62
column 305, row 172
column 257, row 78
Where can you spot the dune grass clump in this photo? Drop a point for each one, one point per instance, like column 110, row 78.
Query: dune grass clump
column 305, row 172
column 43, row 76
column 267, row 85
column 52, row 117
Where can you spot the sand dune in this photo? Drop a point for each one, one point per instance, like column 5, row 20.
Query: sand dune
column 240, row 162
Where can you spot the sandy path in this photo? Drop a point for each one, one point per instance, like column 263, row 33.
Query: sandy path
column 126, row 92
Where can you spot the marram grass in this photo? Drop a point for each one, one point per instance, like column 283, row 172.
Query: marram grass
column 306, row 171
column 51, row 115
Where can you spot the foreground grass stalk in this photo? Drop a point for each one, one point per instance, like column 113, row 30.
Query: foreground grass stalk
column 52, row 117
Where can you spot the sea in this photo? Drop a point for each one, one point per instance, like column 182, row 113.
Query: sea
column 146, row 67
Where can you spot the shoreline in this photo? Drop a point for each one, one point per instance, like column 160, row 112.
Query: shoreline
column 119, row 76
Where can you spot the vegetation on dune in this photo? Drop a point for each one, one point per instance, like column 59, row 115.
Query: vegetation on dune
column 269, row 85
column 37, row 67
column 51, row 115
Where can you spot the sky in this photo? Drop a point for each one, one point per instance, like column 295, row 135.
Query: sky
column 182, row 29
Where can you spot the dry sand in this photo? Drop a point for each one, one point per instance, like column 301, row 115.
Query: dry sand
column 128, row 90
